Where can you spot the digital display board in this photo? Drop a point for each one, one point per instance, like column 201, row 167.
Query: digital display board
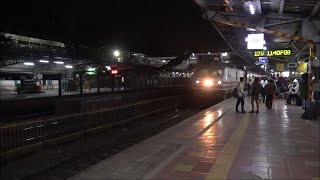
column 271, row 53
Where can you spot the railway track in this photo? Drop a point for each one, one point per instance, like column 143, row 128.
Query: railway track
column 78, row 162
column 65, row 159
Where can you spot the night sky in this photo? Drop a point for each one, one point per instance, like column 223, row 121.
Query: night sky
column 155, row 27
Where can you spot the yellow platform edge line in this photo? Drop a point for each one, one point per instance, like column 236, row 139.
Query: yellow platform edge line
column 222, row 166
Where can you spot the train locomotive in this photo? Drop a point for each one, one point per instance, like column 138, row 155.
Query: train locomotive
column 216, row 79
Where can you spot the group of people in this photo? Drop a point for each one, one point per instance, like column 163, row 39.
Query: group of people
column 265, row 88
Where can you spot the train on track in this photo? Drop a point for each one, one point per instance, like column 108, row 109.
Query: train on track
column 218, row 79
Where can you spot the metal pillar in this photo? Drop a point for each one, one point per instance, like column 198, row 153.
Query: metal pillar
column 60, row 84
column 81, row 83
column 98, row 81
column 310, row 91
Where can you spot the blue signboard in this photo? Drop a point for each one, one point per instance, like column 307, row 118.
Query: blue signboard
column 263, row 60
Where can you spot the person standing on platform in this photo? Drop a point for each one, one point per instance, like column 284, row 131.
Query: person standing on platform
column 240, row 90
column 256, row 91
column 263, row 83
column 249, row 87
column 270, row 90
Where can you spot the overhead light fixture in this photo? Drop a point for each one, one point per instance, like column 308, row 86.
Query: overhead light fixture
column 58, row 62
column 255, row 41
column 69, row 66
column 164, row 61
column 250, row 29
column 264, row 48
column 44, row 61
column 252, row 10
column 209, row 52
column 29, row 63
column 225, row 54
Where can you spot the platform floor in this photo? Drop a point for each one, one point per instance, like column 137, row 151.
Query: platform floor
column 219, row 143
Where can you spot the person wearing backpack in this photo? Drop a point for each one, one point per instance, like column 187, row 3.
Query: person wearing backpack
column 255, row 92
column 240, row 91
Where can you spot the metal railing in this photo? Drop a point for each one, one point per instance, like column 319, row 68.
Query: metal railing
column 37, row 132
column 75, row 86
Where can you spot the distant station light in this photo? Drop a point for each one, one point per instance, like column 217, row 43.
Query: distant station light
column 116, row 53
column 108, row 68
column 29, row 63
column 224, row 54
column 91, row 69
column 58, row 62
column 69, row 66
column 114, row 72
column 43, row 61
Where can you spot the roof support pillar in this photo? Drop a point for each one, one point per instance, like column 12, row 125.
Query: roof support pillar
column 281, row 7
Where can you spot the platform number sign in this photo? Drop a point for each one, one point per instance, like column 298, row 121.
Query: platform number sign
column 271, row 53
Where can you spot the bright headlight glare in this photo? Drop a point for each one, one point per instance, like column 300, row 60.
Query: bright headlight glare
column 219, row 82
column 208, row 82
column 197, row 82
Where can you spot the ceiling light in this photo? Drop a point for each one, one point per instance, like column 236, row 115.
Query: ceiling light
column 225, row 54
column 58, row 62
column 69, row 66
column 44, row 61
column 29, row 63
column 252, row 10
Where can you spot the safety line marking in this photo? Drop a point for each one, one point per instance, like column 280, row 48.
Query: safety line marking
column 222, row 166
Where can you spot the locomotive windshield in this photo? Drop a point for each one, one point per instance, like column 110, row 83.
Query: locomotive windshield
column 210, row 73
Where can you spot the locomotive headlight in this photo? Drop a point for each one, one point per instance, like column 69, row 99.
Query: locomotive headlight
column 197, row 81
column 208, row 82
column 219, row 82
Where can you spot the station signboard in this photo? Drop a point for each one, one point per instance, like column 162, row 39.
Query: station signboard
column 279, row 67
column 263, row 60
column 272, row 53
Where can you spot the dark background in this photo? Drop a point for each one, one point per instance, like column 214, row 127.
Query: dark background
column 155, row 27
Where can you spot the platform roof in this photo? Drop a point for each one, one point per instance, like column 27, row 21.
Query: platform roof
column 286, row 16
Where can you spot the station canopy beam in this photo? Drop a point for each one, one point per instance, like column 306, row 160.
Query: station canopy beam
column 283, row 20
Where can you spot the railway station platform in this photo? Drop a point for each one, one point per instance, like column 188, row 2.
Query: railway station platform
column 219, row 143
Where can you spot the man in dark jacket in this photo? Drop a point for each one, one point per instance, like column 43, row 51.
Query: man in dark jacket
column 255, row 92
column 270, row 90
